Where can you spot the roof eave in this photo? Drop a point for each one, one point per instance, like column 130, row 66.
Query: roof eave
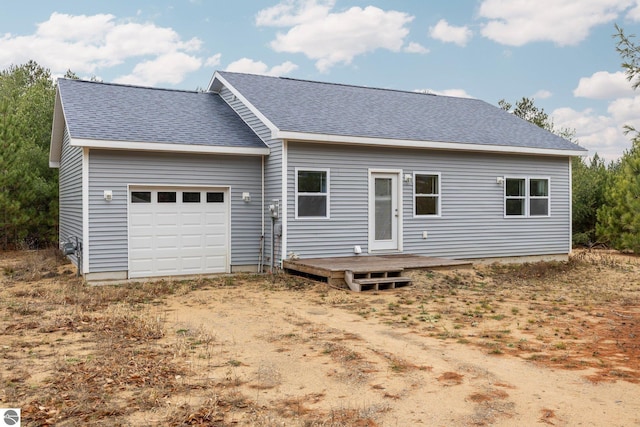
column 169, row 147
column 436, row 145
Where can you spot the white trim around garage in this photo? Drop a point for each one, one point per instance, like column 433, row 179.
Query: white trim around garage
column 181, row 206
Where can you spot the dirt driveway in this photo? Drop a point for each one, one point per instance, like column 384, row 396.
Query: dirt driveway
column 548, row 343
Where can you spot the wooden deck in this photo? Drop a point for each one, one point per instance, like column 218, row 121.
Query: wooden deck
column 332, row 269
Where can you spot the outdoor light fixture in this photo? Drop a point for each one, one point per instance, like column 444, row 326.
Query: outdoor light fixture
column 246, row 197
column 499, row 180
column 407, row 178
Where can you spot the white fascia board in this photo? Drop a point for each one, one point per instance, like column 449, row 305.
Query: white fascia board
column 244, row 100
column 57, row 132
column 436, row 145
column 168, row 147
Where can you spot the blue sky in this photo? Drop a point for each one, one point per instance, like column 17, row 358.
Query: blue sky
column 559, row 52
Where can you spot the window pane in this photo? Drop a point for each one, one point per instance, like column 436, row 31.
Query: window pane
column 539, row 207
column 383, row 208
column 141, row 197
column 514, row 206
column 515, row 187
column 217, row 197
column 312, row 206
column 312, row 182
column 539, row 187
column 190, row 197
column 426, row 184
column 166, row 196
column 426, row 205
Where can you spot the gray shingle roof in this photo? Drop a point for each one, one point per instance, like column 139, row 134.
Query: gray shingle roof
column 114, row 112
column 335, row 109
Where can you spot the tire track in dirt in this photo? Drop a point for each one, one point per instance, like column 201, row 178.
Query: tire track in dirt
column 286, row 332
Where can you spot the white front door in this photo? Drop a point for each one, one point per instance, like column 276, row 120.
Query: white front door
column 384, row 215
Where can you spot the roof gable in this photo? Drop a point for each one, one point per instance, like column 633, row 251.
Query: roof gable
column 117, row 115
column 360, row 113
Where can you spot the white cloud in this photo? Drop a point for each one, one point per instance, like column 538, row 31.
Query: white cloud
column 634, row 14
column 564, row 22
column 169, row 68
column 542, row 94
column 213, row 61
column 334, row 38
column 604, row 85
column 458, row 93
column 413, row 47
column 291, row 12
column 602, row 134
column 246, row 65
column 87, row 44
column 450, row 34
column 626, row 111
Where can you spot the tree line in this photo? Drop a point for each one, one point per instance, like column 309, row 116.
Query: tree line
column 606, row 196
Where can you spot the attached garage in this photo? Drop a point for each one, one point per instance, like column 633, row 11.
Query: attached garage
column 178, row 231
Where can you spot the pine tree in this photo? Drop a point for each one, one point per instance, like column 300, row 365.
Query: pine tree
column 28, row 187
column 619, row 218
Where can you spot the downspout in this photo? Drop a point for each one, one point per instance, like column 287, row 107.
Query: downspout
column 261, row 253
column 262, row 197
column 570, row 204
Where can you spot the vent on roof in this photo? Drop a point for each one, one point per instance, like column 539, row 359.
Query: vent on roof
column 426, row 92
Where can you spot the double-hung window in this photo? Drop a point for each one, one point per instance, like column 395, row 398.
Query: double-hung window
column 526, row 197
column 426, row 194
column 312, row 193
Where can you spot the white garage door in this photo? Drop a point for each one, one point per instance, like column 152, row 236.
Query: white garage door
column 178, row 231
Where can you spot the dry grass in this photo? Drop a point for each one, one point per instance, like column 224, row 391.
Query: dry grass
column 80, row 355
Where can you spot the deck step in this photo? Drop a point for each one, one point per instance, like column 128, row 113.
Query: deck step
column 375, row 280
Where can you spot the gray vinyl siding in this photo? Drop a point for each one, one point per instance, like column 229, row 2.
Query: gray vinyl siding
column 70, row 195
column 114, row 170
column 472, row 222
column 272, row 166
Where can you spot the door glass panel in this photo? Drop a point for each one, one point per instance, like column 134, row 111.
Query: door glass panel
column 191, row 197
column 215, row 197
column 141, row 197
column 166, row 196
column 384, row 208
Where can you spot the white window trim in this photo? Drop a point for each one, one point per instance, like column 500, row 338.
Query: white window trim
column 327, row 194
column 414, row 195
column 527, row 197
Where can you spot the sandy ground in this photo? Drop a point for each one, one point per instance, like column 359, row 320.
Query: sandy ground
column 285, row 343
column 546, row 344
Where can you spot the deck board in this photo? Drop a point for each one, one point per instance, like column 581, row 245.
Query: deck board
column 332, row 269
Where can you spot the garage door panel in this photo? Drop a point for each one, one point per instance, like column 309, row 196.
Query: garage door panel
column 166, row 219
column 192, row 241
column 141, row 219
column 215, row 217
column 213, row 263
column 193, row 219
column 214, row 239
column 192, row 263
column 178, row 238
column 140, row 243
column 169, row 241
